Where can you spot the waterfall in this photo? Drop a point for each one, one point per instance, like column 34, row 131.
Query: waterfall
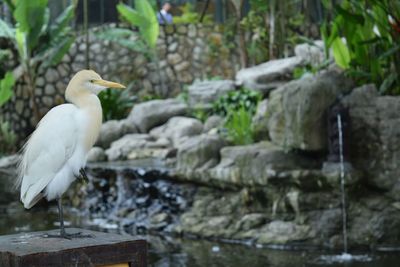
column 342, row 183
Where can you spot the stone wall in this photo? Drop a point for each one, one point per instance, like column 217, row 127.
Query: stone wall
column 185, row 53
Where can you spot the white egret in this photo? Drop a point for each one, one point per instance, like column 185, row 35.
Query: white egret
column 55, row 154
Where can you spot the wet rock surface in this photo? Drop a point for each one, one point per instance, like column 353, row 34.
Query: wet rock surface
column 295, row 208
column 375, row 138
column 296, row 112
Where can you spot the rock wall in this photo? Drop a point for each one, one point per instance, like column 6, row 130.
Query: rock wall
column 185, row 53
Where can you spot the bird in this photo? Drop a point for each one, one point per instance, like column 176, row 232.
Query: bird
column 55, row 154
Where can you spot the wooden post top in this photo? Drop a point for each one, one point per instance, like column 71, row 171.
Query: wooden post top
column 35, row 249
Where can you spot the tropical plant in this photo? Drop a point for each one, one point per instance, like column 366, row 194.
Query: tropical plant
column 189, row 15
column 39, row 42
column 235, row 100
column 7, row 136
column 144, row 17
column 116, row 104
column 6, row 85
column 365, row 40
column 239, row 126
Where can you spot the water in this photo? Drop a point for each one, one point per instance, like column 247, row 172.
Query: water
column 342, row 185
column 167, row 251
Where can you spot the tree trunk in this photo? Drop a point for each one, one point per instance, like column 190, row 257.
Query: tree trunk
column 271, row 28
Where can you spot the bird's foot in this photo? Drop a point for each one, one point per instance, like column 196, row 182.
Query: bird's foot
column 83, row 175
column 69, row 236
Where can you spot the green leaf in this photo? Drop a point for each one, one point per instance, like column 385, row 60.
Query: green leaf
column 5, row 30
column 350, row 18
column 62, row 21
column 58, row 52
column 388, row 83
column 6, row 85
column 341, row 53
column 390, row 52
column 20, row 37
column 143, row 17
column 150, row 29
column 131, row 15
column 123, row 37
column 30, row 17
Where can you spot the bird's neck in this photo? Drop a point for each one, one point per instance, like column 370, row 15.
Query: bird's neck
column 90, row 105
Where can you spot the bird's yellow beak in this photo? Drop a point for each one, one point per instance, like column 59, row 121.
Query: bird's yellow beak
column 108, row 84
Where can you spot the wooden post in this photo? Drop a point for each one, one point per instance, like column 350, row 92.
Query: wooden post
column 99, row 250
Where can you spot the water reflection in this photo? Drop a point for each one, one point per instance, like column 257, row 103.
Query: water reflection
column 167, row 251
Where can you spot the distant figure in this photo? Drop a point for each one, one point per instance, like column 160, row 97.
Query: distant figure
column 163, row 16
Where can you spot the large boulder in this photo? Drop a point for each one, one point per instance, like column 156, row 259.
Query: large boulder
column 269, row 75
column 257, row 164
column 375, row 137
column 136, row 146
column 178, row 129
column 113, row 130
column 153, row 113
column 311, row 53
column 297, row 111
column 197, row 154
column 203, row 94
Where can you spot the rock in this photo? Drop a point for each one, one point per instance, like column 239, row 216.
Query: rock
column 269, row 75
column 205, row 93
column 375, row 137
column 135, row 146
column 173, row 47
column 51, row 76
column 250, row 221
column 199, row 152
column 213, row 122
column 113, row 130
column 96, row 154
column 332, row 171
column 296, row 112
column 182, row 66
column 178, row 129
column 156, row 112
column 257, row 164
column 122, row 147
column 280, row 232
column 260, row 121
column 174, row 59
column 313, row 54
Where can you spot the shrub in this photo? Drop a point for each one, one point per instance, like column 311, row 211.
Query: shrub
column 364, row 37
column 116, row 104
column 239, row 126
column 235, row 100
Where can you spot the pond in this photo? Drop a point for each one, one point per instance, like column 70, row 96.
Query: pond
column 166, row 250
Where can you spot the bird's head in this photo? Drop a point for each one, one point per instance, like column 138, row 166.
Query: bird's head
column 88, row 81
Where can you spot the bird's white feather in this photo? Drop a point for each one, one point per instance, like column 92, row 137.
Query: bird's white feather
column 53, row 155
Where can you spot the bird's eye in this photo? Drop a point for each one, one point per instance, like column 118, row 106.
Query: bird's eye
column 92, row 81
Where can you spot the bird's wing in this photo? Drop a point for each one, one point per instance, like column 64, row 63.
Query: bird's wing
column 48, row 149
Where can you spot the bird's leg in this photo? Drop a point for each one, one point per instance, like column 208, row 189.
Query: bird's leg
column 61, row 217
column 63, row 233
column 83, row 175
